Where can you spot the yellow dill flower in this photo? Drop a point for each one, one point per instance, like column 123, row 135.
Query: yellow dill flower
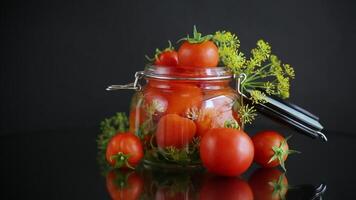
column 258, row 96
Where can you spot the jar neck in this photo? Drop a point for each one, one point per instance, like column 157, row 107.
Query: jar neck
column 207, row 85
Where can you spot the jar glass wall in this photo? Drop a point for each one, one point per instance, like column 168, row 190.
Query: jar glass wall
column 176, row 108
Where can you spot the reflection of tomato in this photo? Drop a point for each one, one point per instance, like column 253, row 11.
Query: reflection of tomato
column 225, row 188
column 268, row 184
column 174, row 130
column 123, row 185
column 182, row 96
column 124, row 150
column 204, row 54
column 170, row 194
column 226, row 151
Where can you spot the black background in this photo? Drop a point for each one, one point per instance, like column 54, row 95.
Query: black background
column 57, row 57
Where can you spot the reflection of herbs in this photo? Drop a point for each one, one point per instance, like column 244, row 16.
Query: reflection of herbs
column 171, row 154
column 108, row 128
column 265, row 73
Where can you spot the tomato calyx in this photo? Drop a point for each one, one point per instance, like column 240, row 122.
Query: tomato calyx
column 159, row 52
column 197, row 37
column 121, row 160
column 280, row 153
column 231, row 124
column 121, row 179
column 279, row 187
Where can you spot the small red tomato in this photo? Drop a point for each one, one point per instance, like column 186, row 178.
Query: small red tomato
column 123, row 185
column 174, row 130
column 181, row 97
column 268, row 184
column 167, row 58
column 226, row 151
column 225, row 188
column 124, row 150
column 204, row 54
column 271, row 149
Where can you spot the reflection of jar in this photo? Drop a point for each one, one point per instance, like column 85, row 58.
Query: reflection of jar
column 177, row 106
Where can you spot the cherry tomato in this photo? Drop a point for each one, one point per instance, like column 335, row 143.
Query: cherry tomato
column 174, row 130
column 204, row 54
column 271, row 149
column 167, row 58
column 225, row 188
column 268, row 184
column 124, row 150
column 226, row 151
column 123, row 185
column 182, row 97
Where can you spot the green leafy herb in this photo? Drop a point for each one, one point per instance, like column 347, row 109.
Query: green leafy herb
column 171, row 154
column 265, row 73
column 110, row 126
column 231, row 124
column 247, row 114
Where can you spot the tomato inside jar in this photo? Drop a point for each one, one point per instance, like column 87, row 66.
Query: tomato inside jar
column 176, row 107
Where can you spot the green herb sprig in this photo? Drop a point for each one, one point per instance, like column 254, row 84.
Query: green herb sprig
column 265, row 73
column 108, row 128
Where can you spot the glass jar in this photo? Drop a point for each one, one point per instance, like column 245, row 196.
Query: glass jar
column 176, row 107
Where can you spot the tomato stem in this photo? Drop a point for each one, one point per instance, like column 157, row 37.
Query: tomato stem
column 121, row 160
column 279, row 187
column 197, row 37
column 280, row 153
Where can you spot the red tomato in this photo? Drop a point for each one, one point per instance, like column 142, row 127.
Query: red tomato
column 270, row 144
column 204, row 54
column 183, row 96
column 155, row 102
column 225, row 188
column 122, row 185
column 167, row 58
column 268, row 184
column 124, row 150
column 174, row 130
column 226, row 151
column 136, row 118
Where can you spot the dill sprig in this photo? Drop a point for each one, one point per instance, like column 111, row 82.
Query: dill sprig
column 247, row 114
column 265, row 73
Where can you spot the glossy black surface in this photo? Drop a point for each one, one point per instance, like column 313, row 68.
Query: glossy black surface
column 63, row 165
